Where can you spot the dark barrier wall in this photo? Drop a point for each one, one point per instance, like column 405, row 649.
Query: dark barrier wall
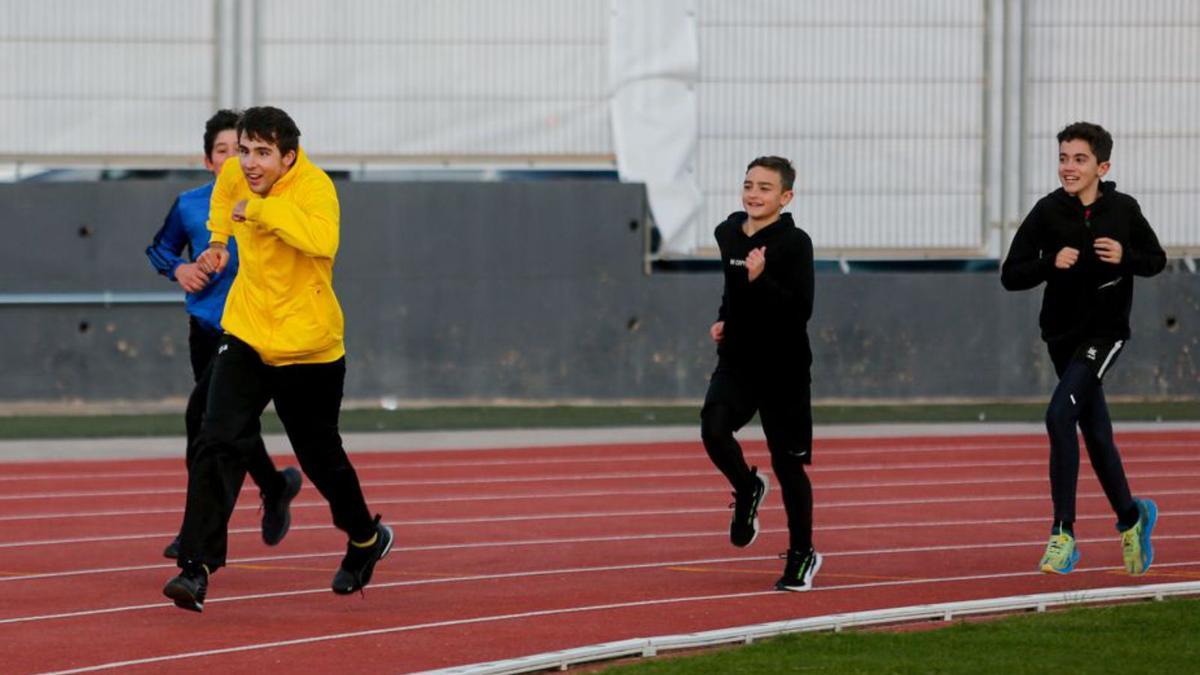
column 528, row 291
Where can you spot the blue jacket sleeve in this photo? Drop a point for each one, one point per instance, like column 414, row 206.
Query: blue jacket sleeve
column 168, row 244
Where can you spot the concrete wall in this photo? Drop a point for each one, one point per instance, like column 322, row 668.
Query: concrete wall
column 530, row 291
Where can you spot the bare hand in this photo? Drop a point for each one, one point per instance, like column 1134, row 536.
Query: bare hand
column 239, row 212
column 191, row 277
column 1066, row 258
column 1109, row 250
column 717, row 331
column 214, row 259
column 756, row 262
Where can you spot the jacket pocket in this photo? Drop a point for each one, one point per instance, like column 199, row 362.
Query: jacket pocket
column 313, row 324
column 327, row 311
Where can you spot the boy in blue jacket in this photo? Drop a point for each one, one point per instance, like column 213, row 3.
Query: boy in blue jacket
column 186, row 226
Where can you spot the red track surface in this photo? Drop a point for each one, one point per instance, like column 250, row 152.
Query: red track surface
column 504, row 553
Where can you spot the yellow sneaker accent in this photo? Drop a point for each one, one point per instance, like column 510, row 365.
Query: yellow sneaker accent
column 1060, row 556
column 368, row 543
column 1136, row 547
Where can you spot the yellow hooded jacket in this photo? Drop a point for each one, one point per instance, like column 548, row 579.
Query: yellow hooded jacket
column 282, row 302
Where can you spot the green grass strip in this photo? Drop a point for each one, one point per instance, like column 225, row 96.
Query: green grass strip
column 1148, row 637
column 522, row 417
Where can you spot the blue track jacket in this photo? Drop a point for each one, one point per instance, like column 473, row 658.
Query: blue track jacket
column 187, row 225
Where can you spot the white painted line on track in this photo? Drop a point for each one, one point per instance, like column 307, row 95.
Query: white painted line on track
column 825, row 528
column 365, row 466
column 573, row 570
column 563, row 659
column 541, row 613
column 578, row 515
column 575, row 478
column 457, row 499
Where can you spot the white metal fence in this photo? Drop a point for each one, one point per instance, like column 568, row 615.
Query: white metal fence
column 1135, row 69
column 918, row 127
column 116, row 78
column 880, row 106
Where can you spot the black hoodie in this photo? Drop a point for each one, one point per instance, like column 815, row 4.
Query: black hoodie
column 1091, row 299
column 766, row 320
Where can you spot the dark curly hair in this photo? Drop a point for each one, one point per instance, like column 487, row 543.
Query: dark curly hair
column 780, row 165
column 1095, row 135
column 222, row 120
column 270, row 125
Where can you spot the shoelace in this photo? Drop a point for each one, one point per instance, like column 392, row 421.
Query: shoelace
column 800, row 560
column 1057, row 547
column 750, row 509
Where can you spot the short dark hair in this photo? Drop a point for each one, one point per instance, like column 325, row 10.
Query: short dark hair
column 780, row 165
column 1095, row 135
column 271, row 125
column 222, row 120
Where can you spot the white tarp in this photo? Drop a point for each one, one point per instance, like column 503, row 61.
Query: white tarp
column 654, row 65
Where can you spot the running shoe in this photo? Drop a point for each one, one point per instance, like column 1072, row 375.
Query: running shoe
column 1135, row 542
column 277, row 517
column 189, row 588
column 1060, row 556
column 359, row 563
column 743, row 527
column 799, row 571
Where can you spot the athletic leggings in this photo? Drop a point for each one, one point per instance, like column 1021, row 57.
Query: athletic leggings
column 733, row 398
column 1078, row 400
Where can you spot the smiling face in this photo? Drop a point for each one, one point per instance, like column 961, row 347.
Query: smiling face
column 1079, row 171
column 763, row 195
column 262, row 163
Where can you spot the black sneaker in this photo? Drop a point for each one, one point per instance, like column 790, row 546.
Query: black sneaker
column 277, row 518
column 359, row 563
column 172, row 549
column 801, row 567
column 743, row 528
column 188, row 589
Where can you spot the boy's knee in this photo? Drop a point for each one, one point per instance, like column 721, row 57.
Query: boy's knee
column 716, row 422
column 1061, row 415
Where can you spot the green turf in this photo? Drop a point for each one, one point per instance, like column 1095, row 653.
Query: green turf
column 1149, row 637
column 511, row 417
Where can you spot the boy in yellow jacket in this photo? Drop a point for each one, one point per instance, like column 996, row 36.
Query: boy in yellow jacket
column 283, row 341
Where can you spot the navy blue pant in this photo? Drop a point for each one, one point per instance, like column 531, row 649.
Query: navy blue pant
column 1078, row 401
column 784, row 407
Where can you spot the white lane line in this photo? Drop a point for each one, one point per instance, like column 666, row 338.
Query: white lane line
column 580, row 515
column 607, row 459
column 566, row 571
column 824, row 529
column 458, row 499
column 551, row 612
column 641, row 457
column 575, row 478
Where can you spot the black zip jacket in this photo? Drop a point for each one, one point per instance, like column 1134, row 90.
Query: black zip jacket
column 1092, row 298
column 766, row 320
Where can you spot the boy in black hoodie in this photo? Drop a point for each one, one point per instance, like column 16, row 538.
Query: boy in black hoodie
column 1086, row 241
column 764, row 361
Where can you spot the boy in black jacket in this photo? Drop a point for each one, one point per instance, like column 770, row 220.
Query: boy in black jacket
column 764, row 361
column 1086, row 241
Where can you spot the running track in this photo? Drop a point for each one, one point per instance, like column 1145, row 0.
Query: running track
column 507, row 552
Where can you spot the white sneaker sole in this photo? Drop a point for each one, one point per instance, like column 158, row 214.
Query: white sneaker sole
column 808, row 581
